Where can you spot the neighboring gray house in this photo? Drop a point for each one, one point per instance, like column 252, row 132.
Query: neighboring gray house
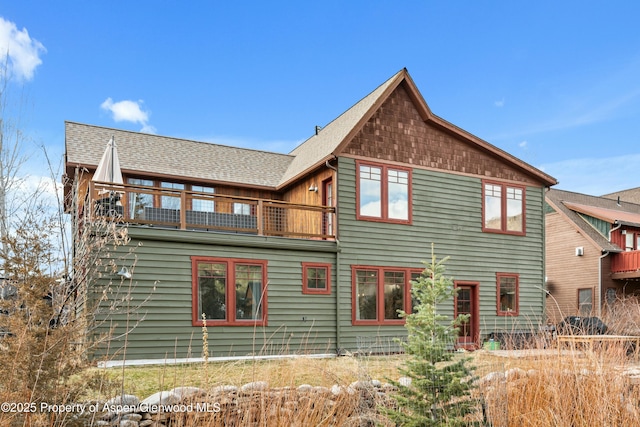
column 314, row 251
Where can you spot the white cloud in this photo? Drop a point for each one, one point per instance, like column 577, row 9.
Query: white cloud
column 129, row 111
column 20, row 52
column 596, row 176
column 523, row 144
column 499, row 103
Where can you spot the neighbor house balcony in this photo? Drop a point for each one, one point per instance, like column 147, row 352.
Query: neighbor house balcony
column 193, row 210
column 625, row 265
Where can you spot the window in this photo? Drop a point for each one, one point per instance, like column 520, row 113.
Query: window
column 508, row 294
column 327, row 199
column 585, row 301
column 229, row 291
column 384, row 193
column 242, row 208
column 139, row 200
column 171, row 202
column 316, row 278
column 379, row 292
column 503, row 208
column 198, row 203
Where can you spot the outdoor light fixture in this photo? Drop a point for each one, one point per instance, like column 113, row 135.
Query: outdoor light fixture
column 124, row 272
column 313, row 188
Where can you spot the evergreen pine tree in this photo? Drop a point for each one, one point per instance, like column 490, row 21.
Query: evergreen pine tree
column 438, row 394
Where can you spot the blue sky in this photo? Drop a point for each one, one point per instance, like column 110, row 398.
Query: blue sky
column 554, row 83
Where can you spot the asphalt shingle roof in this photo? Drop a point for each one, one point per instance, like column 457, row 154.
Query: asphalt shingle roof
column 161, row 155
column 147, row 154
column 572, row 204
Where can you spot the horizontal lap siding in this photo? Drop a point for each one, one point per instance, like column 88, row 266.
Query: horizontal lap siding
column 166, row 328
column 447, row 210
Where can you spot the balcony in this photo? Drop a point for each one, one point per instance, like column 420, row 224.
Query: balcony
column 192, row 210
column 625, row 265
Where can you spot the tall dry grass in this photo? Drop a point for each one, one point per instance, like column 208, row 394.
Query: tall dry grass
column 580, row 385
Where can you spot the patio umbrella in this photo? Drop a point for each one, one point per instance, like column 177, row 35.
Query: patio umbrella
column 109, row 167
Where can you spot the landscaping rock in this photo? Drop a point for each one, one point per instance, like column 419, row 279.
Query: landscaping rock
column 254, row 386
column 160, row 398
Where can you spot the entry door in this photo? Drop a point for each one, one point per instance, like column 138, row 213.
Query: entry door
column 466, row 303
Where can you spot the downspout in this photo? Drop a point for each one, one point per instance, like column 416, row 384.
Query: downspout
column 604, row 254
column 338, row 264
column 614, row 229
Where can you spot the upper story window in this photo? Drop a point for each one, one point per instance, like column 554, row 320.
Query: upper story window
column 503, row 208
column 171, row 202
column 198, row 203
column 383, row 193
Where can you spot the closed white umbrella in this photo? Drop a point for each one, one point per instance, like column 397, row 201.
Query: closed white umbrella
column 108, row 170
column 109, row 167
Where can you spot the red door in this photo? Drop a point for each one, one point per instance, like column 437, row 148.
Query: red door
column 466, row 303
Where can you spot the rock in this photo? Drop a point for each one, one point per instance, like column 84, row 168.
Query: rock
column 492, row 378
column 225, row 389
column 305, row 388
column 336, row 389
column 128, row 423
column 405, row 381
column 186, row 393
column 132, row 417
column 362, row 385
column 159, row 398
column 515, row 374
column 145, row 423
column 254, row 386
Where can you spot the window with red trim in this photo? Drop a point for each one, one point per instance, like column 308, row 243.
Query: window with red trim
column 508, row 290
column 316, row 278
column 229, row 291
column 503, row 208
column 379, row 292
column 383, row 193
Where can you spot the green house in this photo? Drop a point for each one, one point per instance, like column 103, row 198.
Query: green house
column 313, row 251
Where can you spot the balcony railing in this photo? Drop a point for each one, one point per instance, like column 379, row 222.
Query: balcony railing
column 193, row 210
column 625, row 262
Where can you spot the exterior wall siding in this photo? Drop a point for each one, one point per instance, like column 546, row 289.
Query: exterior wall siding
column 568, row 272
column 447, row 210
column 162, row 277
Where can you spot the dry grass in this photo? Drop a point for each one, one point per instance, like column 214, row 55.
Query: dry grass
column 546, row 387
column 143, row 381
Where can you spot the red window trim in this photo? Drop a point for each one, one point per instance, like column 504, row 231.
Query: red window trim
column 230, row 296
column 312, row 291
column 384, row 213
column 515, row 312
column 503, row 207
column 380, row 320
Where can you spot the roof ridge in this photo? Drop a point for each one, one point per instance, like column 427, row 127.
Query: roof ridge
column 195, row 141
